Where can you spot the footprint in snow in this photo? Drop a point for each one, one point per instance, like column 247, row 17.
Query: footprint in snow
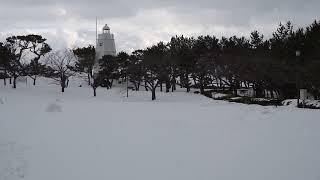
column 13, row 166
column 54, row 107
column 3, row 100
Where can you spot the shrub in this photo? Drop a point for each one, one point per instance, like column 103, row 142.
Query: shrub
column 246, row 100
column 259, row 101
column 310, row 104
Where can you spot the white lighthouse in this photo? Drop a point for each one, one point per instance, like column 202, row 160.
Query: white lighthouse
column 105, row 43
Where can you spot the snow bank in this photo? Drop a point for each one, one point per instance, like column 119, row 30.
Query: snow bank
column 218, row 95
column 236, row 98
column 311, row 104
column 315, row 104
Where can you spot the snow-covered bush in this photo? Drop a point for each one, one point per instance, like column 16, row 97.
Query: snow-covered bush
column 310, row 104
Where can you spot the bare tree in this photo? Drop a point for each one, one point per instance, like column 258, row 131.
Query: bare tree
column 61, row 64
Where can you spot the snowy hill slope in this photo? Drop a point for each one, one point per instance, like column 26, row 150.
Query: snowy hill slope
column 45, row 134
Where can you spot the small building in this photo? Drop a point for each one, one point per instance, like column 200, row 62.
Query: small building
column 2, row 71
column 306, row 95
column 271, row 94
column 246, row 92
column 2, row 68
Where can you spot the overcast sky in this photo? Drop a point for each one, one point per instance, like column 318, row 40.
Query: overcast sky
column 139, row 23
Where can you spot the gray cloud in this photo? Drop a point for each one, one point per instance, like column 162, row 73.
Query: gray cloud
column 139, row 23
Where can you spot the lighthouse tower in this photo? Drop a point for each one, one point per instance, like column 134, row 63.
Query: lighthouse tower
column 105, row 43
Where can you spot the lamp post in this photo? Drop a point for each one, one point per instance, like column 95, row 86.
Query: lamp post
column 127, row 77
column 298, row 53
column 127, row 86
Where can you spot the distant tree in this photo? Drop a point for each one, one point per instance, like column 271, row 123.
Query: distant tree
column 109, row 70
column 62, row 65
column 85, row 60
column 259, row 60
column 95, row 83
column 153, row 66
column 20, row 47
column 206, row 49
column 311, row 58
column 5, row 57
column 39, row 48
column 234, row 61
column 135, row 69
column 256, row 39
column 181, row 54
column 284, row 45
column 280, row 42
column 123, row 62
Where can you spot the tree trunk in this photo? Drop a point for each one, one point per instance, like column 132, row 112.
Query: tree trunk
column 233, row 88
column 201, row 84
column 10, row 80
column 89, row 80
column 63, row 83
column 167, row 86
column 187, row 82
column 94, row 92
column 195, row 82
column 153, row 94
column 110, row 83
column 34, row 80
column 136, row 86
column 161, row 86
column 14, row 82
column 145, row 86
column 201, row 88
column 5, row 77
column 174, row 87
column 298, row 98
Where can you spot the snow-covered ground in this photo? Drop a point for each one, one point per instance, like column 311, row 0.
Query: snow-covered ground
column 49, row 135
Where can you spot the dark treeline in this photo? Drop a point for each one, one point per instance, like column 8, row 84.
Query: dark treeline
column 281, row 65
